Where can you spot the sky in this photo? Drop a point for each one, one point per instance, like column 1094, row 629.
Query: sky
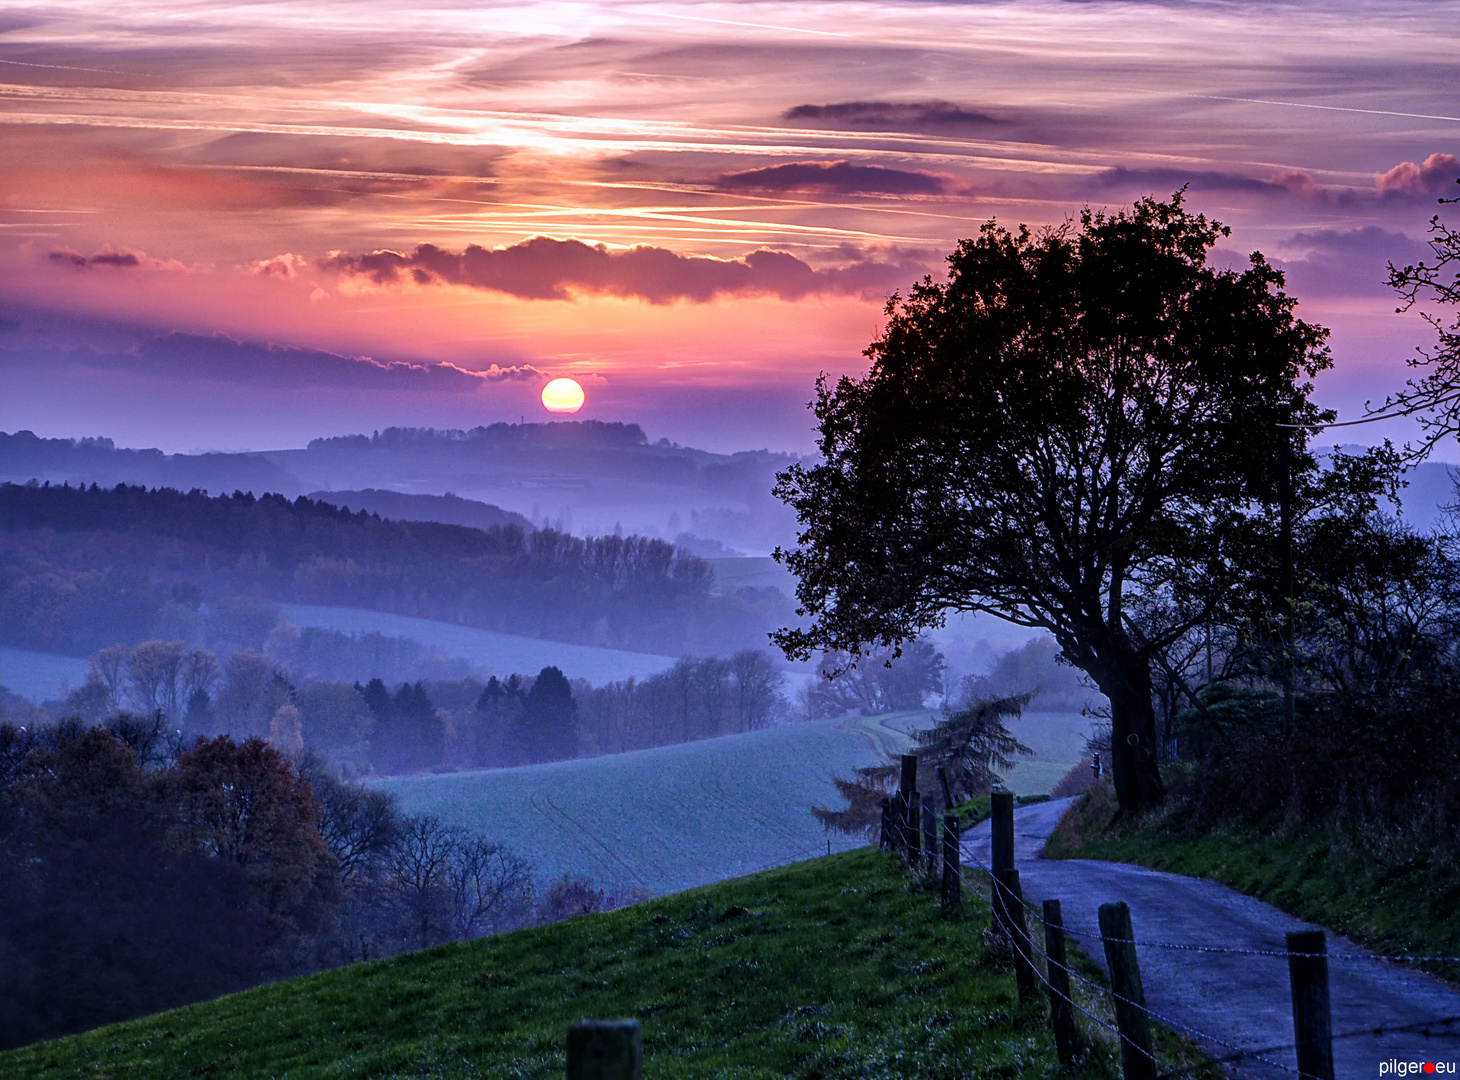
column 245, row 225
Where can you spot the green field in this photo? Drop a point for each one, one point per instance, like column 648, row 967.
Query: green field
column 1058, row 742
column 675, row 817
column 496, row 653
column 833, row 968
column 658, row 820
column 39, row 676
column 1057, row 739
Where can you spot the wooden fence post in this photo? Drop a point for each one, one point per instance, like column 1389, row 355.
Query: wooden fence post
column 1001, row 844
column 605, row 1050
column 907, row 785
column 1136, row 1058
column 930, row 834
column 1061, row 1003
column 1026, row 977
column 952, row 866
column 884, row 830
column 1312, row 1021
column 914, row 830
column 1001, row 852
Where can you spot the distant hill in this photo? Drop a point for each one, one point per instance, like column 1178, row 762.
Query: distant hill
column 447, row 509
column 582, row 477
column 85, row 567
column 578, row 476
column 1431, row 487
column 25, row 456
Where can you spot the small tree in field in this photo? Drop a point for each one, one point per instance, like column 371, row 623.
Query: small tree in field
column 1077, row 432
column 966, row 748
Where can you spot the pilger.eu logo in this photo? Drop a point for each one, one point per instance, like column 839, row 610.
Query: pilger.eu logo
column 1394, row 1067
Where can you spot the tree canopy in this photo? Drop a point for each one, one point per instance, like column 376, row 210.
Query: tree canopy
column 1076, row 431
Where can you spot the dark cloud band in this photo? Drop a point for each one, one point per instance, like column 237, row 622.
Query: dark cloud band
column 838, row 177
column 116, row 260
column 218, row 358
column 891, row 116
column 546, row 269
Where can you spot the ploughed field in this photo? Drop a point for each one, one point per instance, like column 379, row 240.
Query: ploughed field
column 673, row 817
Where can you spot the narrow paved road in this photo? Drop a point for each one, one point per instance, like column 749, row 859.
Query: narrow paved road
column 1241, row 1000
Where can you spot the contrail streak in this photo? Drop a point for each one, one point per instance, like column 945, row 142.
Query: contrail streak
column 1302, row 105
column 73, row 67
column 754, row 26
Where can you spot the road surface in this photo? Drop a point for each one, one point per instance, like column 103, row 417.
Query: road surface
column 1242, row 1000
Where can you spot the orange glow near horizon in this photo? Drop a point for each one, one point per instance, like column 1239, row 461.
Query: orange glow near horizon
column 665, row 198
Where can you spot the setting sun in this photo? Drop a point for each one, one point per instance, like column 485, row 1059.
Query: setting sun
column 562, row 396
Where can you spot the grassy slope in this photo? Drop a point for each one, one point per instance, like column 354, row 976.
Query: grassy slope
column 831, row 968
column 659, row 820
column 674, row 817
column 1395, row 900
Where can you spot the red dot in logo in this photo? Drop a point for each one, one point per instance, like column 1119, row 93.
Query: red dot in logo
column 1429, row 1066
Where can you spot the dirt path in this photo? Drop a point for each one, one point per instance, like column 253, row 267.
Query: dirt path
column 1242, row 1000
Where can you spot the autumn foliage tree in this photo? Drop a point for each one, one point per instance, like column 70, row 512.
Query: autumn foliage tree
column 1077, row 432
column 245, row 805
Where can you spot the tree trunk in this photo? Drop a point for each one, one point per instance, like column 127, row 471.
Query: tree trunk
column 1133, row 764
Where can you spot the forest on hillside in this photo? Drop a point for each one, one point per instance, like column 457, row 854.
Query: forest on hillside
column 576, row 475
column 84, row 568
column 139, row 873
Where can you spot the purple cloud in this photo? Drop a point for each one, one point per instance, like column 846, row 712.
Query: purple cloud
column 1168, row 180
column 218, row 358
column 117, row 260
column 891, row 116
column 546, row 269
column 1435, row 176
column 838, row 177
column 1346, row 262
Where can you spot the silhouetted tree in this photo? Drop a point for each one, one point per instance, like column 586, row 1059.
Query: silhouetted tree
column 242, row 803
column 1078, row 427
column 1435, row 396
column 550, row 718
column 408, row 735
column 103, row 915
column 967, row 747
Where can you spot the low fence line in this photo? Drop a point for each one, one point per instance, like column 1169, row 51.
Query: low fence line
column 613, row 1050
column 904, row 825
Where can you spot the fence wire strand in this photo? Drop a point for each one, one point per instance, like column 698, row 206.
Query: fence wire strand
column 1166, row 1072
column 1284, row 953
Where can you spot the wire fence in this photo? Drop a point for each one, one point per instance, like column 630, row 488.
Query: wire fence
column 1000, row 898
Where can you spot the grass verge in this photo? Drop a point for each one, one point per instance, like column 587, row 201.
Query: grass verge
column 1390, row 896
column 836, row 967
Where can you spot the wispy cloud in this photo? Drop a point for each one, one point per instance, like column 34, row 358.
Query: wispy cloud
column 222, row 359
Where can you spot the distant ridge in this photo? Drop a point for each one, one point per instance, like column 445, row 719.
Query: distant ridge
column 446, row 509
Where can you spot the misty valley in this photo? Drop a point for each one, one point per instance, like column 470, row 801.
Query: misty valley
column 293, row 702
